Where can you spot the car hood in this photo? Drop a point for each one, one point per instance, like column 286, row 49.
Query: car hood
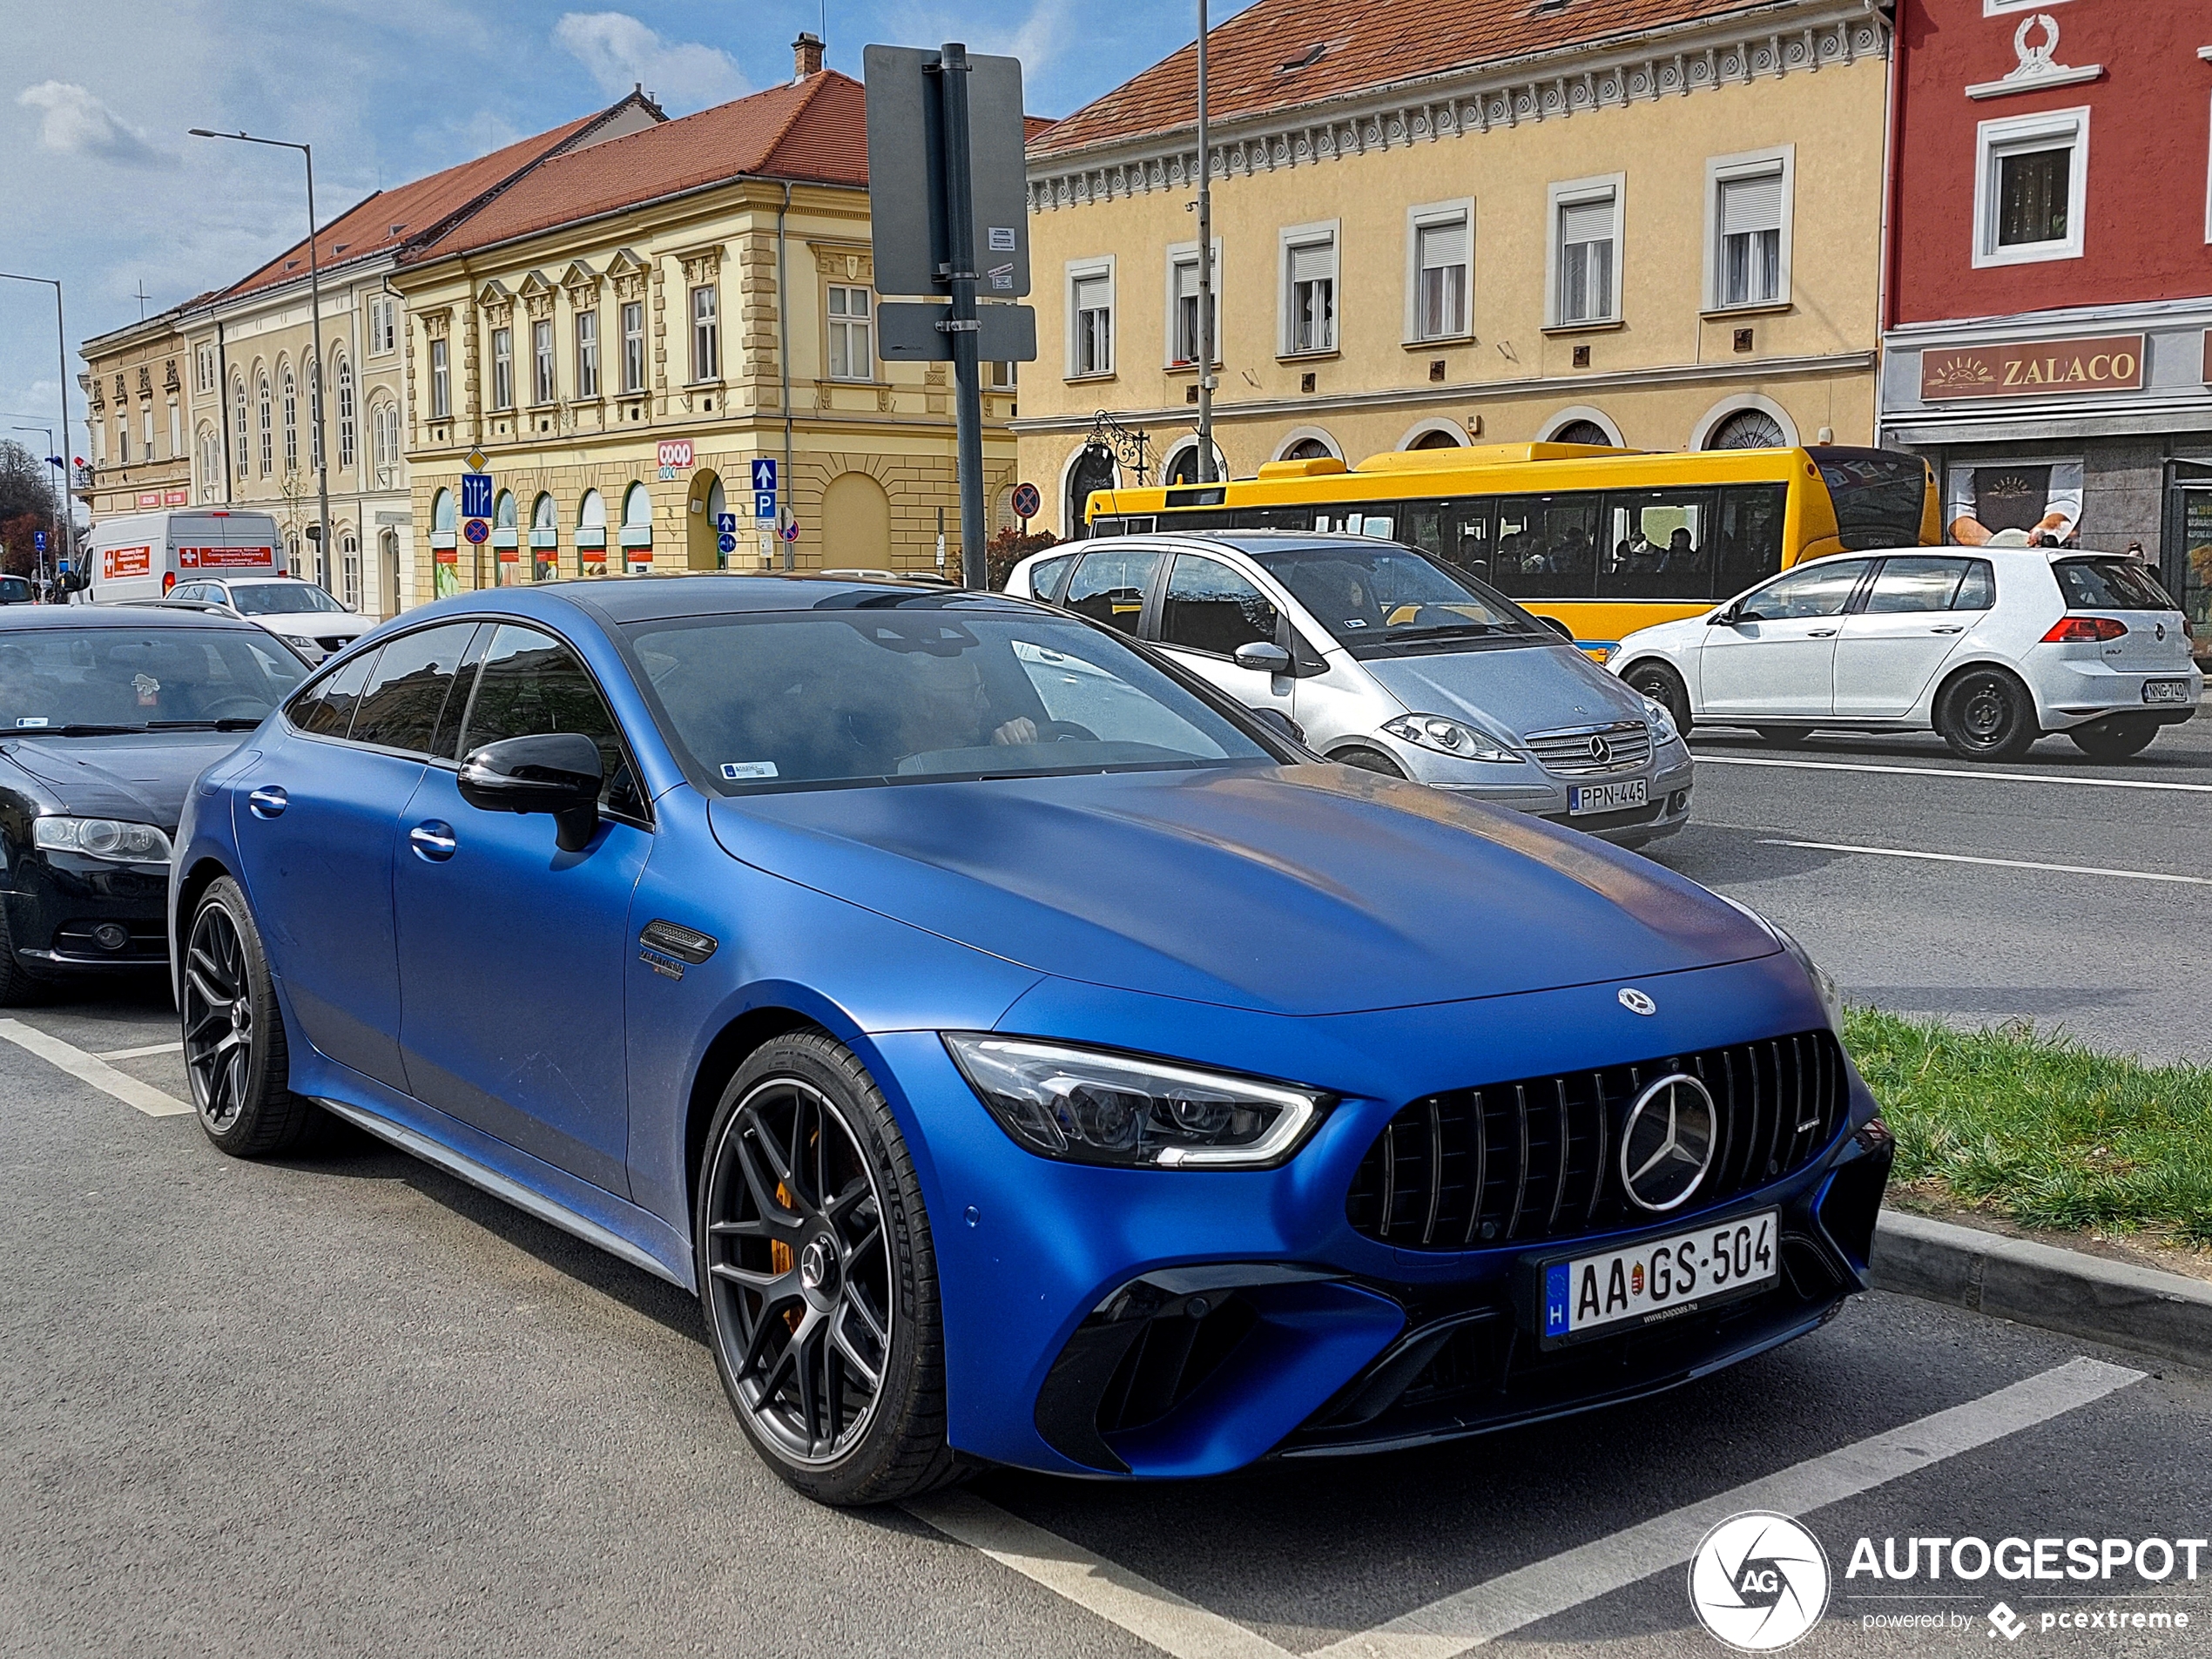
column 1531, row 688
column 138, row 777
column 1298, row 890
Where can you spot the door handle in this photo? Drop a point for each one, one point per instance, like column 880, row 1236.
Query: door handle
column 1960, row 629
column 433, row 841
column 268, row 801
column 1820, row 633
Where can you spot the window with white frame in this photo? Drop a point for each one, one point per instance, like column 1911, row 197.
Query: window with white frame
column 852, row 339
column 146, row 423
column 1090, row 319
column 587, row 354
column 1748, row 206
column 262, row 399
column 384, row 443
column 707, row 334
column 1439, row 265
column 502, row 368
column 384, row 324
column 346, row 441
column 1584, row 258
column 238, row 402
column 176, row 431
column 1308, row 299
column 291, row 406
column 2030, row 186
column 211, row 464
column 633, row 347
column 123, row 437
column 204, row 369
column 1183, row 304
column 542, row 360
column 441, row 381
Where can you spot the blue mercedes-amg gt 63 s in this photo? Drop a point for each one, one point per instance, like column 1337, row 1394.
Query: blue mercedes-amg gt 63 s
column 1025, row 1054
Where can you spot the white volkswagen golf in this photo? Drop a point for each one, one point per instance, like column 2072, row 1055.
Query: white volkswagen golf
column 1992, row 647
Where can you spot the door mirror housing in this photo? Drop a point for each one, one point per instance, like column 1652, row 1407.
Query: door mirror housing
column 1282, row 724
column 1262, row 657
column 1726, row 617
column 558, row 772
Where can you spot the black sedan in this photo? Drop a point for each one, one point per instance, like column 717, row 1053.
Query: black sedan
column 106, row 716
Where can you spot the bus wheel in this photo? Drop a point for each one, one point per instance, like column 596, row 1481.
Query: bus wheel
column 1664, row 686
column 1369, row 760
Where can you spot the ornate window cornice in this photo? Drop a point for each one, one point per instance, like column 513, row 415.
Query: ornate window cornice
column 1673, row 62
column 843, row 261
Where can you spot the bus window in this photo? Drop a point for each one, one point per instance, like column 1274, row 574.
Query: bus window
column 1109, row 586
column 1421, row 525
column 1197, row 521
column 1468, row 539
column 1880, row 496
column 1546, row 547
column 1657, row 545
column 1272, row 518
column 1747, row 544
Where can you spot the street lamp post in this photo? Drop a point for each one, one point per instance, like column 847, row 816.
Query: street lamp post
column 61, row 339
column 314, row 310
column 1206, row 269
column 51, row 460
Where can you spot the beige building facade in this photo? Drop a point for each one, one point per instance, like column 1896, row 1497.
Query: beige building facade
column 626, row 333
column 1665, row 236
column 138, row 421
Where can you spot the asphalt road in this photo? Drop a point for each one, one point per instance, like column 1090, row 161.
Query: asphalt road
column 2101, row 949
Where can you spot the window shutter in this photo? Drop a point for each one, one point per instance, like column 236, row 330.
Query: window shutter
column 1748, row 205
column 1313, row 261
column 1587, row 221
column 1090, row 294
column 1443, row 245
column 1186, row 279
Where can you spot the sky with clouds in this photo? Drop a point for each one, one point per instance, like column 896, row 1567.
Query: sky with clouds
column 104, row 189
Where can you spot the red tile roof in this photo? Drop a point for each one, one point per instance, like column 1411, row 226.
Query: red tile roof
column 1366, row 44
column 811, row 131
column 391, row 218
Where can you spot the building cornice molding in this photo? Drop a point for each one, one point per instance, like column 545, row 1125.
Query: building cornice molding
column 1561, row 386
column 1671, row 61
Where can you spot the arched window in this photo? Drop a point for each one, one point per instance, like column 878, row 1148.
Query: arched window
column 591, row 534
column 349, row 570
column 1435, row 439
column 502, row 511
column 1093, row 469
column 1306, row 450
column 384, row 443
column 545, row 539
column 238, row 399
column 345, row 378
column 291, row 393
column 269, row 463
column 211, row 463
column 637, row 507
column 1747, row 430
column 541, row 512
column 1582, row 432
column 441, row 514
column 592, row 515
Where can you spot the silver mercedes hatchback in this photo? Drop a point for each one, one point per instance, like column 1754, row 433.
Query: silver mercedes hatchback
column 1392, row 660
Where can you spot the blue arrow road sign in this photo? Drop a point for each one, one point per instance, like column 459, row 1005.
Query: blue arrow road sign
column 763, row 503
column 476, row 495
column 38, row 539
column 763, row 475
column 727, row 523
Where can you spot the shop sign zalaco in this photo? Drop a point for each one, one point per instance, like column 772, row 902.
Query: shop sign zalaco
column 2034, row 369
column 675, row 457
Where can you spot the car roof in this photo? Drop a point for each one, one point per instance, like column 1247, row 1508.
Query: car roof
column 121, row 613
column 641, row 598
column 1246, row 541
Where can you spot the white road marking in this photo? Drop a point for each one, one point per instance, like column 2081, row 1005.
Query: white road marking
column 1705, row 760
column 2008, row 864
column 1146, row 1610
column 177, row 1046
column 88, row 1067
column 1514, row 1600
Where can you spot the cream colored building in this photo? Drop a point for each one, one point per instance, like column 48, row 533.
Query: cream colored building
column 138, row 421
column 625, row 332
column 1658, row 224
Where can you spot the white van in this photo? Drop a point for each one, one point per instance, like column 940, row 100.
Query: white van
column 142, row 556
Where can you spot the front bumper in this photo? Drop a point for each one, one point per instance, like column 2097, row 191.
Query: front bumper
column 1156, row 1324
column 58, row 903
column 1527, row 787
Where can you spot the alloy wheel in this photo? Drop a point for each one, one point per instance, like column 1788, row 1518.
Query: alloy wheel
column 798, row 1264
column 218, row 1018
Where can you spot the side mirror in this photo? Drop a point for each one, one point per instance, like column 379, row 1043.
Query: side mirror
column 1726, row 617
column 1559, row 627
column 1263, row 657
column 1282, row 724
column 554, row 772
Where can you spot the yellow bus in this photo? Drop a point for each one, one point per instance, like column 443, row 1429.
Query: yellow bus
column 1606, row 541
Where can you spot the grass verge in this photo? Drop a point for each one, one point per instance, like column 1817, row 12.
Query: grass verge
column 2041, row 1130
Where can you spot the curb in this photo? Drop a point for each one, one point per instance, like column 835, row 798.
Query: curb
column 2040, row 1285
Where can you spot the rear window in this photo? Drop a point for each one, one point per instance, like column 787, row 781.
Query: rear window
column 1879, row 498
column 2109, row 584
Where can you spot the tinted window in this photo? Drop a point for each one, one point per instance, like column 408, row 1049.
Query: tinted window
column 1109, row 586
column 133, row 678
column 14, row 589
column 2109, row 584
column 326, row 708
column 1915, row 584
column 1546, row 547
column 1211, row 607
column 1878, row 497
column 530, row 683
column 1658, row 544
column 400, row 706
column 1978, row 590
column 1045, row 575
column 1746, row 545
column 1821, row 588
column 907, row 693
column 1378, row 598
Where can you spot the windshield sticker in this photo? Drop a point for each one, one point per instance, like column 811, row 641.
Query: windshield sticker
column 148, row 688
column 1355, row 622
column 33, row 719
column 738, row 770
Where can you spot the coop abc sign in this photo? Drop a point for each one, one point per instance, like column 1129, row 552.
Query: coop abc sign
column 2035, row 368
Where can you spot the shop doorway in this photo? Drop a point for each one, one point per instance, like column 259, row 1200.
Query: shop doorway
column 703, row 512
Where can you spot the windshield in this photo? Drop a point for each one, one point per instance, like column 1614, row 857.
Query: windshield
column 918, row 690
column 2109, row 584
column 1880, row 497
column 78, row 680
column 281, row 598
column 1376, row 596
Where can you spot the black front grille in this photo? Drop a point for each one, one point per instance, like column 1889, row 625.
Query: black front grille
column 1537, row 1159
column 146, row 941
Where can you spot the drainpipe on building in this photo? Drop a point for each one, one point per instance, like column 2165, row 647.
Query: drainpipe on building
column 1884, row 284
column 783, row 355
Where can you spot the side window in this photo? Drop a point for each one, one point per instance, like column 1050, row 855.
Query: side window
column 401, row 704
column 1211, row 607
column 1110, row 585
column 1546, row 547
column 1918, row 585
column 325, row 709
column 1658, row 544
column 1821, row 588
column 1978, row 591
column 1045, row 575
column 1747, row 543
column 531, row 682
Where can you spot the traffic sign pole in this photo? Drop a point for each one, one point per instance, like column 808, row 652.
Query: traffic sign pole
column 959, row 234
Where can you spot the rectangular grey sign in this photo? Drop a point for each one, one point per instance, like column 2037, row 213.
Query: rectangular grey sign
column 907, row 331
column 905, row 193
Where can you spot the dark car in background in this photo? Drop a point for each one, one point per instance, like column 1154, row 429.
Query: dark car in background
column 106, row 717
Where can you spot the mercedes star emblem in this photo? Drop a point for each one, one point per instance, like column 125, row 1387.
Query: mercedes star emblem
column 1667, row 1143
column 1601, row 751
column 1635, row 1002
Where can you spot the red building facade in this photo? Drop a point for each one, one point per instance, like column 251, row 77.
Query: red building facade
column 2047, row 325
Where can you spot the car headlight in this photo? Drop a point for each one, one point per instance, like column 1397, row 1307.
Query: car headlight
column 1446, row 736
column 1832, row 999
column 102, row 838
column 1662, row 719
column 1088, row 1106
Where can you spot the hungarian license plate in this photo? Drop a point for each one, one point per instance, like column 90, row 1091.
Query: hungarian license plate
column 2166, row 690
column 1607, row 797
column 1658, row 1279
